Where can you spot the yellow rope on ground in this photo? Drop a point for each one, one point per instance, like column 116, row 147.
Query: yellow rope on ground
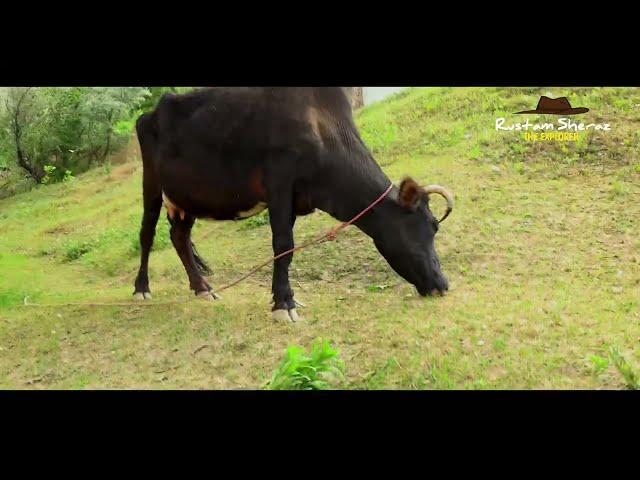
column 133, row 303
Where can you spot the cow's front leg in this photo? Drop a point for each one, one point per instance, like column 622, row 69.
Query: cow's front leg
column 282, row 218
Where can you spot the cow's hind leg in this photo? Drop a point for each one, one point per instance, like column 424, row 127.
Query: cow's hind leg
column 181, row 239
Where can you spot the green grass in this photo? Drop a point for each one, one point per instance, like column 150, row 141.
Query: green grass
column 542, row 254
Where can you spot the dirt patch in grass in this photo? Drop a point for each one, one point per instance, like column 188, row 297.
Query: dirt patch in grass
column 123, row 171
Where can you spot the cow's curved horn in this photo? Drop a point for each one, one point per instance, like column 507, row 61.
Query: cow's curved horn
column 430, row 189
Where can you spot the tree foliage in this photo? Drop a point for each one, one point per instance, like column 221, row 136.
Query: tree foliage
column 69, row 128
column 155, row 93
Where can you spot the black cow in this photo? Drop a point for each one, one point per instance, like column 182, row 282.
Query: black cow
column 229, row 153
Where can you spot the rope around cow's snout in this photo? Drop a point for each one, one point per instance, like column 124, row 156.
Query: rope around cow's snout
column 325, row 237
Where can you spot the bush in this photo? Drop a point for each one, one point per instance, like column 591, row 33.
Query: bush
column 73, row 251
column 299, row 371
column 256, row 221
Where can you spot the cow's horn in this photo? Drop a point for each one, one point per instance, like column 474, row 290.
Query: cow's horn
column 429, row 189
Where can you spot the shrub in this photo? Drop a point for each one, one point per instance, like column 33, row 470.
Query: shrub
column 74, row 251
column 256, row 221
column 300, row 371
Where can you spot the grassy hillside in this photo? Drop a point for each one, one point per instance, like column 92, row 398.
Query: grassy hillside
column 542, row 253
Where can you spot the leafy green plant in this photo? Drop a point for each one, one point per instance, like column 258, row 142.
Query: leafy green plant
column 599, row 364
column 377, row 288
column 74, row 251
column 301, row 371
column 257, row 220
column 618, row 189
column 68, row 176
column 49, row 173
column 631, row 377
column 475, row 152
column 519, row 167
column 52, row 175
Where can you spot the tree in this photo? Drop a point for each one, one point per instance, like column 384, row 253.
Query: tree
column 101, row 110
column 20, row 108
column 156, row 93
column 69, row 128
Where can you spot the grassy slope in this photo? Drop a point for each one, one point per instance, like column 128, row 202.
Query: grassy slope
column 542, row 253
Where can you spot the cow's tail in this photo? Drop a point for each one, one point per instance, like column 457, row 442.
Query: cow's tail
column 203, row 268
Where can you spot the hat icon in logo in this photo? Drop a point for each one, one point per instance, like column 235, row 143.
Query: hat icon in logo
column 555, row 106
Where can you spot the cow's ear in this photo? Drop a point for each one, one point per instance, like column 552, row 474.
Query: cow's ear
column 409, row 193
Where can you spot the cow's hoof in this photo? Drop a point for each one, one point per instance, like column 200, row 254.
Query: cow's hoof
column 141, row 296
column 147, row 296
column 208, row 296
column 294, row 315
column 285, row 315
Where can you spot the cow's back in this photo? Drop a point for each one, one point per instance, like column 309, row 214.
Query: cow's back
column 213, row 145
column 251, row 118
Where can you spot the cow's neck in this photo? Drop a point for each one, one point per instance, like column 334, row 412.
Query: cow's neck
column 349, row 192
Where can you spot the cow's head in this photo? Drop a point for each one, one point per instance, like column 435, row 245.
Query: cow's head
column 408, row 241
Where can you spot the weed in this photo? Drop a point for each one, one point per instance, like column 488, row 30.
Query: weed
column 300, row 371
column 256, row 221
column 618, row 189
column 377, row 288
column 68, row 176
column 75, row 250
column 49, row 171
column 631, row 377
column 599, row 364
column 475, row 152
